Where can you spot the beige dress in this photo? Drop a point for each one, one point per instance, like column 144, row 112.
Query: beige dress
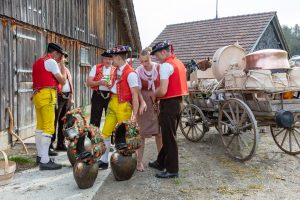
column 148, row 122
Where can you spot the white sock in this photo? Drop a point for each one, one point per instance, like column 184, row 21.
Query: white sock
column 45, row 143
column 104, row 157
column 38, row 136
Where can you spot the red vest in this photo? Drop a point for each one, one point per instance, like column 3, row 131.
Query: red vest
column 69, row 78
column 177, row 81
column 42, row 78
column 99, row 74
column 123, row 89
column 156, row 82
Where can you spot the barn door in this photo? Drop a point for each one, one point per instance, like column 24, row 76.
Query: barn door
column 28, row 50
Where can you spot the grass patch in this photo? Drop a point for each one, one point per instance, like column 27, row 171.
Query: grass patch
column 177, row 181
column 21, row 160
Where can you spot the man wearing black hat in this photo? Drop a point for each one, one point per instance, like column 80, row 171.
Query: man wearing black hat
column 125, row 97
column 173, row 85
column 100, row 81
column 64, row 103
column 46, row 76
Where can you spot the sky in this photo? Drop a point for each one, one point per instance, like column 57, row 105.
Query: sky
column 153, row 15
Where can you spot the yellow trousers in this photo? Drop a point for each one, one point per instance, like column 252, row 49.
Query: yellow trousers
column 44, row 102
column 116, row 113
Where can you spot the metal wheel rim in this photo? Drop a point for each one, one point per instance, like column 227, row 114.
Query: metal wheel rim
column 237, row 136
column 286, row 139
column 191, row 127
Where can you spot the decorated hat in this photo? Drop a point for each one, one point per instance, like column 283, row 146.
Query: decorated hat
column 105, row 54
column 57, row 48
column 122, row 49
column 161, row 45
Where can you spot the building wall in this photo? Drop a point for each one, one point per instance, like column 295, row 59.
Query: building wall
column 83, row 27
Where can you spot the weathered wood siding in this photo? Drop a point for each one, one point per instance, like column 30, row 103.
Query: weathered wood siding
column 95, row 22
column 83, row 27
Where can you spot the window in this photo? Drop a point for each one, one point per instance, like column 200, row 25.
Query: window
column 84, row 57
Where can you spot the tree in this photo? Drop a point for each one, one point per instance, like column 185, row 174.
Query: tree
column 292, row 36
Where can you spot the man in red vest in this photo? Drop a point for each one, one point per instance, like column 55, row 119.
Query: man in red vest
column 125, row 98
column 64, row 103
column 46, row 76
column 100, row 81
column 173, row 86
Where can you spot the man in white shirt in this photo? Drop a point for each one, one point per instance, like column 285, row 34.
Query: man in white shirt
column 100, row 81
column 46, row 76
column 173, row 86
column 125, row 98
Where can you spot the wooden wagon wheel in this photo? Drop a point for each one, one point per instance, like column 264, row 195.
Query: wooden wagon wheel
column 238, row 129
column 287, row 139
column 193, row 123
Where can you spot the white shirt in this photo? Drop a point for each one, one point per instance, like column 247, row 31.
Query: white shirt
column 132, row 79
column 52, row 66
column 166, row 70
column 66, row 87
column 106, row 73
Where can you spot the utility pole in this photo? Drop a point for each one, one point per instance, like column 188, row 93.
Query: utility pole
column 216, row 9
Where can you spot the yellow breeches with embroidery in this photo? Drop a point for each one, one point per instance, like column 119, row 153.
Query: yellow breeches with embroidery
column 116, row 113
column 44, row 102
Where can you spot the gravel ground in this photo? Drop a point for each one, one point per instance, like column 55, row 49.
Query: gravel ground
column 206, row 172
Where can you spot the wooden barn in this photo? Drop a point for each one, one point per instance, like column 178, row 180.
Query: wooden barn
column 83, row 27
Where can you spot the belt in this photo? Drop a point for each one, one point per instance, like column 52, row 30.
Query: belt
column 104, row 94
column 64, row 95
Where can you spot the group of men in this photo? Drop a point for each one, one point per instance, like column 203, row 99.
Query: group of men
column 115, row 86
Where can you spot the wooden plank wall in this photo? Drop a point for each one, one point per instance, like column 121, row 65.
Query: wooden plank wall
column 6, row 72
column 75, row 24
column 89, row 21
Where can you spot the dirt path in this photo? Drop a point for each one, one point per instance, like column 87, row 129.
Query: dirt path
column 206, row 172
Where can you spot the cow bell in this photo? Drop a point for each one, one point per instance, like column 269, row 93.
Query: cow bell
column 284, row 119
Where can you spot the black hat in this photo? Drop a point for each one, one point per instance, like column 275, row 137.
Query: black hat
column 56, row 47
column 105, row 54
column 160, row 45
column 123, row 49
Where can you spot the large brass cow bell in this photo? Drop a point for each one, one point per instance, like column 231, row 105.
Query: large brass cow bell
column 70, row 153
column 122, row 166
column 85, row 174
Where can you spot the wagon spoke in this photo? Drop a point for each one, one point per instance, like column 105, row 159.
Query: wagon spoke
column 246, row 126
column 296, row 140
column 188, row 132
column 243, row 141
column 227, row 115
column 283, row 140
column 279, row 132
column 290, row 141
column 229, row 143
column 224, row 123
column 242, row 118
column 237, row 113
column 297, row 131
column 232, row 113
column 198, row 128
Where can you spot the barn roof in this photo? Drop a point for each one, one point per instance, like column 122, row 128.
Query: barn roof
column 200, row 39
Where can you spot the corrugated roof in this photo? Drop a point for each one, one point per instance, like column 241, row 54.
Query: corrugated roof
column 200, row 39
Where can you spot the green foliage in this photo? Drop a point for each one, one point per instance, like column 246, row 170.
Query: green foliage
column 292, row 36
column 22, row 160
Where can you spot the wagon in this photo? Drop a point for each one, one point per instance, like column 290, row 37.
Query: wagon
column 237, row 115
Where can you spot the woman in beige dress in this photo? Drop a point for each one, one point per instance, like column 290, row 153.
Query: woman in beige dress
column 148, row 74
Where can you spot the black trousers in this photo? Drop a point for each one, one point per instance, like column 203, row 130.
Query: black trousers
column 63, row 106
column 99, row 103
column 168, row 121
